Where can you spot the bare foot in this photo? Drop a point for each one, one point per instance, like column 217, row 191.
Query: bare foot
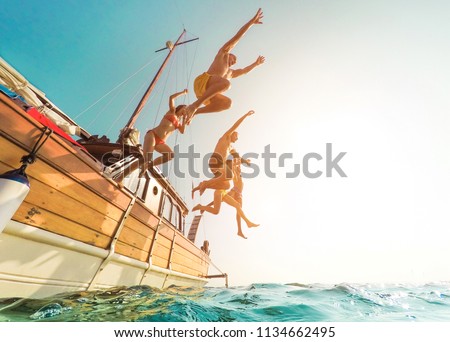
column 241, row 235
column 197, row 207
column 252, row 225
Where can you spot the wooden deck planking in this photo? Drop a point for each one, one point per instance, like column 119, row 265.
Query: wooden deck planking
column 54, row 201
column 33, row 215
column 132, row 238
column 132, row 252
column 60, row 154
column 181, row 259
column 10, row 155
column 143, row 214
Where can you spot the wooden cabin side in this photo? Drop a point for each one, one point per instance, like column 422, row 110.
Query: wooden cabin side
column 170, row 242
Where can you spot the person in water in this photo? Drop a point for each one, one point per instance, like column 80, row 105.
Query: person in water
column 229, row 197
column 217, row 162
column 210, row 85
column 234, row 197
column 155, row 138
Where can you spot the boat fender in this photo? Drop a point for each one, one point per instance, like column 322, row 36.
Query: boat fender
column 14, row 187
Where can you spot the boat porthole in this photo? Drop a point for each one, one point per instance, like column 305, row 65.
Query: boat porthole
column 155, row 190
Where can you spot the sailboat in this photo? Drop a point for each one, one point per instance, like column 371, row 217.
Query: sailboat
column 77, row 229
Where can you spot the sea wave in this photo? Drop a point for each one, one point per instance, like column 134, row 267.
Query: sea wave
column 293, row 302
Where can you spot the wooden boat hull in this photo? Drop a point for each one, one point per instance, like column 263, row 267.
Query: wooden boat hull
column 76, row 230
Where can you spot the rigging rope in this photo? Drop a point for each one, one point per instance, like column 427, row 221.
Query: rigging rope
column 138, row 92
column 163, row 91
column 217, row 268
column 117, row 86
column 181, row 69
column 103, row 109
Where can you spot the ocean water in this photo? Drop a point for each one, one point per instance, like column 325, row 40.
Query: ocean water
column 254, row 303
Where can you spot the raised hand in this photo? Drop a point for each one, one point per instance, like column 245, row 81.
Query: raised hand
column 260, row 60
column 258, row 17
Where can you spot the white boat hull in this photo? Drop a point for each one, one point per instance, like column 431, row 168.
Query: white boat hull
column 35, row 263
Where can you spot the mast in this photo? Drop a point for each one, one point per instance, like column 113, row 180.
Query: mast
column 124, row 132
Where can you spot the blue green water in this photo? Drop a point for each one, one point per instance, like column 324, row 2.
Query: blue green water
column 254, row 303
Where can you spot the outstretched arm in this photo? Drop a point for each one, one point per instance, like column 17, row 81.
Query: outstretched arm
column 233, row 41
column 238, row 123
column 173, row 97
column 239, row 72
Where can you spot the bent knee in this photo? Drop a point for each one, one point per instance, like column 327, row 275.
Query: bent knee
column 226, row 103
column 226, row 84
column 222, row 102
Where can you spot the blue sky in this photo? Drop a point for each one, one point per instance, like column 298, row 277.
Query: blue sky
column 372, row 78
